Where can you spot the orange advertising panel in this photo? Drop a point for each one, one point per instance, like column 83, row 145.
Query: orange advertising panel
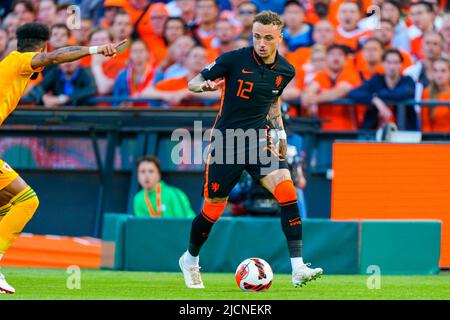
column 393, row 181
column 39, row 251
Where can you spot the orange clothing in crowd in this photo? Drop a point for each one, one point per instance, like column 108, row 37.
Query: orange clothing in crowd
column 363, row 68
column 299, row 57
column 436, row 119
column 173, row 84
column 351, row 39
column 86, row 62
column 333, row 8
column 342, row 117
column 407, row 60
column 212, row 54
column 156, row 46
column 311, row 16
column 177, row 84
column 416, row 48
column 154, row 42
column 206, row 40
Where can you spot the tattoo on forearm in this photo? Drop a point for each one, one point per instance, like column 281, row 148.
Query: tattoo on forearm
column 275, row 116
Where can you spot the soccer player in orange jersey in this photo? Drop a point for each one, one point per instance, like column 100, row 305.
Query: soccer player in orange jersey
column 18, row 202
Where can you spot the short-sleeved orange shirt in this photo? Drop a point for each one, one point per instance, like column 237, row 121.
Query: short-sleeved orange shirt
column 362, row 67
column 342, row 117
column 436, row 119
column 299, row 57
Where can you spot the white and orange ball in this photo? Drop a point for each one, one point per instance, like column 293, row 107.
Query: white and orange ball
column 254, row 274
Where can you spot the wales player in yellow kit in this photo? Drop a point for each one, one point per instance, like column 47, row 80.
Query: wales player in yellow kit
column 18, row 202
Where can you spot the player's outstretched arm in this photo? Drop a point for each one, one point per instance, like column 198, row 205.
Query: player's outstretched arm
column 199, row 84
column 68, row 54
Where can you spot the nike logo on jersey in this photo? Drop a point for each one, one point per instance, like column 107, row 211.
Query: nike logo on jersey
column 246, row 71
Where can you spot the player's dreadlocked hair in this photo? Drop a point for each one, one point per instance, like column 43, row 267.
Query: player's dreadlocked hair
column 269, row 17
column 31, row 36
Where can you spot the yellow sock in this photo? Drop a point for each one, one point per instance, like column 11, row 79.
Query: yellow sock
column 23, row 207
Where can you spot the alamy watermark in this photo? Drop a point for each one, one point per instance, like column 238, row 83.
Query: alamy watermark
column 229, row 146
column 73, row 21
column 374, row 280
column 73, row 281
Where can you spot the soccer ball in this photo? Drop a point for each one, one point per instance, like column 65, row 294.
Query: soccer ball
column 254, row 274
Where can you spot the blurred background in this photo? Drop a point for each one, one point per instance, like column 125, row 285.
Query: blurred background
column 368, row 132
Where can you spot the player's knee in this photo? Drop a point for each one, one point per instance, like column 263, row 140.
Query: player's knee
column 285, row 192
column 28, row 201
column 212, row 210
column 34, row 203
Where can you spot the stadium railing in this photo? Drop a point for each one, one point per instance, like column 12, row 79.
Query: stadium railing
column 400, row 111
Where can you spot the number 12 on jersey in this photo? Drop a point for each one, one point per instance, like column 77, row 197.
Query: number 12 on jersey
column 244, row 89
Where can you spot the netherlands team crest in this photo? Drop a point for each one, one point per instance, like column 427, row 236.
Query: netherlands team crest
column 278, row 80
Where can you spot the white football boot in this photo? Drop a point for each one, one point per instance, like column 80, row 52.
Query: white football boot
column 4, row 286
column 191, row 274
column 303, row 274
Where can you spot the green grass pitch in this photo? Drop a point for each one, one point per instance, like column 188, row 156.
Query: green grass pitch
column 43, row 284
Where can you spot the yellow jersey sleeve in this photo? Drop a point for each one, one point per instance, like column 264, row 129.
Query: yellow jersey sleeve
column 24, row 63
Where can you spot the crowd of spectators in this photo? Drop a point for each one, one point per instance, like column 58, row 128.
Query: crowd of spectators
column 374, row 54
